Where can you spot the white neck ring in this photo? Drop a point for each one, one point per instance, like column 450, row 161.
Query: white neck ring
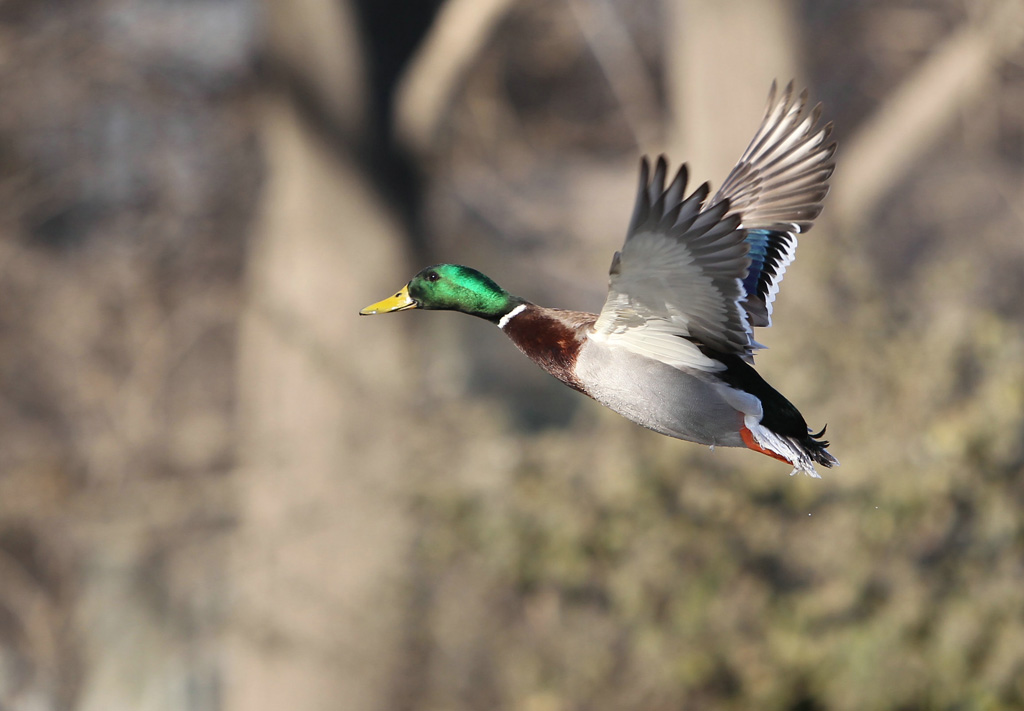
column 510, row 315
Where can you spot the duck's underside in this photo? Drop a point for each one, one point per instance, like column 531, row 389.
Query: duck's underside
column 733, row 407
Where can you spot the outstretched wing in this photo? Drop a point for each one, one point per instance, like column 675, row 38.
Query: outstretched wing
column 698, row 273
column 678, row 280
column 777, row 188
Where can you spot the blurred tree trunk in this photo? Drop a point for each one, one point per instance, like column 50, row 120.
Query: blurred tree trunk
column 721, row 59
column 323, row 531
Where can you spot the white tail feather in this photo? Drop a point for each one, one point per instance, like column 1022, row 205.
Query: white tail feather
column 782, row 446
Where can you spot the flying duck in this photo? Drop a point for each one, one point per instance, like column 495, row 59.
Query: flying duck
column 672, row 349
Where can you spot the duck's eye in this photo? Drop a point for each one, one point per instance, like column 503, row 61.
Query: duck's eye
column 433, row 276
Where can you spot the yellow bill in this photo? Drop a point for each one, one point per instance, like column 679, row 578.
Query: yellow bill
column 399, row 302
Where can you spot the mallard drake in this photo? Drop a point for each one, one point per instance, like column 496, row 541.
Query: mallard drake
column 673, row 346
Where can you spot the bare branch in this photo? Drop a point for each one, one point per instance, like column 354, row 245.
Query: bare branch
column 623, row 67
column 917, row 113
column 459, row 31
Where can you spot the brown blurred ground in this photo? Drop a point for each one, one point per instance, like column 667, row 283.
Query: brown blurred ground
column 220, row 489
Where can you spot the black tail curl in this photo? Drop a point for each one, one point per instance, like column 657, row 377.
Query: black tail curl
column 817, row 448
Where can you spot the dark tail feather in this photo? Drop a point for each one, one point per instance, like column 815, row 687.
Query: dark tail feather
column 817, row 448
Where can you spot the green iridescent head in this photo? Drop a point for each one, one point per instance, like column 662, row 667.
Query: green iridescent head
column 450, row 287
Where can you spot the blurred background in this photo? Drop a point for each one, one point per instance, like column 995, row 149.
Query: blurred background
column 220, row 489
